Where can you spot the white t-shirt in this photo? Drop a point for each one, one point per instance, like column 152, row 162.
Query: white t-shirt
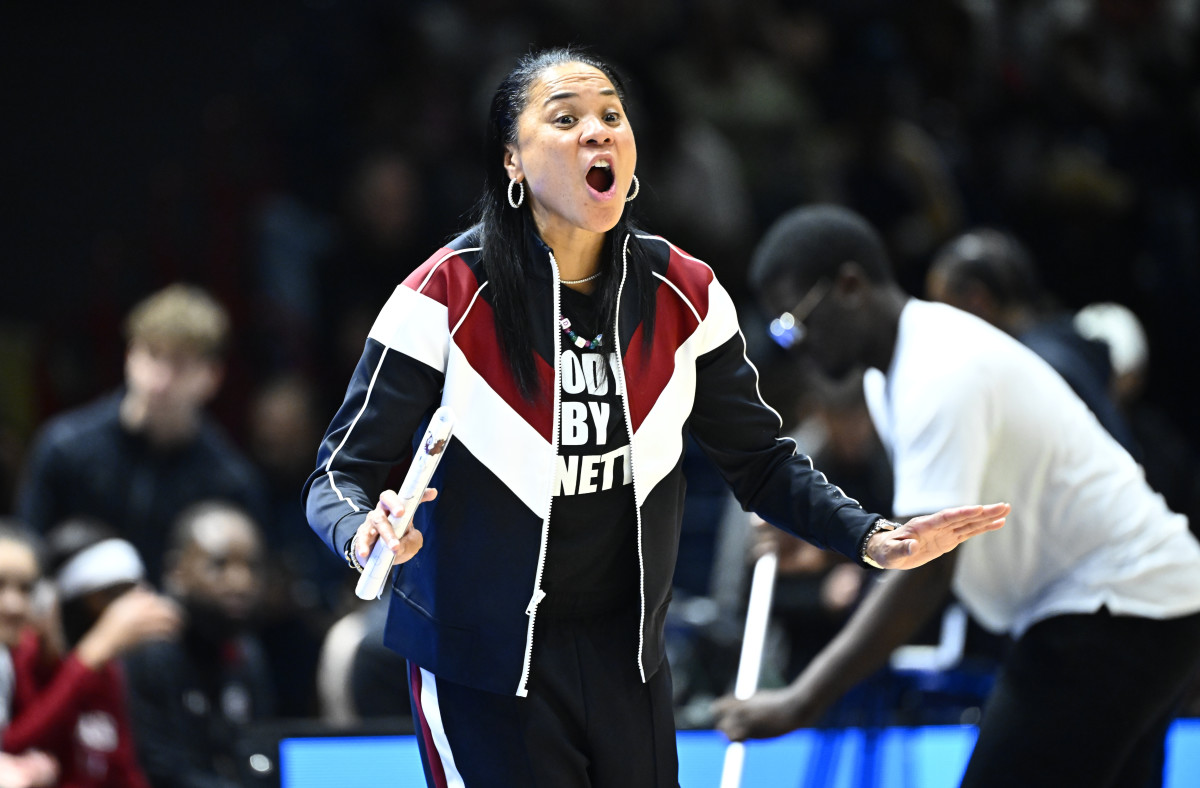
column 970, row 415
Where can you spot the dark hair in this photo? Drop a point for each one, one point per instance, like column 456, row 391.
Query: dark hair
column 503, row 231
column 71, row 537
column 997, row 261
column 16, row 532
column 813, row 241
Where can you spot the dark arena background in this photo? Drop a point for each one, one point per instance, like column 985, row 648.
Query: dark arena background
column 298, row 159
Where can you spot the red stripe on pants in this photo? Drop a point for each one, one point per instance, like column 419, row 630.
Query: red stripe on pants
column 431, row 751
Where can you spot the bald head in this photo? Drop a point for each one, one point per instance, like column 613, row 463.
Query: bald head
column 216, row 559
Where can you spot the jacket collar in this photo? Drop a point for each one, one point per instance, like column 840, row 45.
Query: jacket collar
column 539, row 267
column 629, row 311
column 537, row 254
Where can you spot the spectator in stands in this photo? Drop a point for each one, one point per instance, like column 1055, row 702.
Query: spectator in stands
column 1169, row 459
column 815, row 591
column 19, row 573
column 1095, row 578
column 68, row 693
column 990, row 274
column 303, row 589
column 358, row 677
column 135, row 458
column 190, row 698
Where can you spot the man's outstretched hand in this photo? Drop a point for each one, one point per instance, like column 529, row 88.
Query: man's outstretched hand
column 772, row 713
column 923, row 539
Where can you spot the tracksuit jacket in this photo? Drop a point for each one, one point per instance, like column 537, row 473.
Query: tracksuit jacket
column 465, row 607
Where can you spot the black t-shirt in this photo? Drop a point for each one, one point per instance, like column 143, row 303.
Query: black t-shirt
column 591, row 556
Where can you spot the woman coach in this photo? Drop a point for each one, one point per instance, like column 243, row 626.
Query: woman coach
column 578, row 353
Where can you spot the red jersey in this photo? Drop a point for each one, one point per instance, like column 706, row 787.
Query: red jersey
column 75, row 714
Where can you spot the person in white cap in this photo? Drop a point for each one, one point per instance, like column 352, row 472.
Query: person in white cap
column 1094, row 578
column 69, row 696
column 1171, row 462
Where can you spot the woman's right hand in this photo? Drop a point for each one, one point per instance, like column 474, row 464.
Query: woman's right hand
column 377, row 526
column 131, row 619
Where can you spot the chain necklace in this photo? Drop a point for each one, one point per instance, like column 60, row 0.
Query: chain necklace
column 581, row 281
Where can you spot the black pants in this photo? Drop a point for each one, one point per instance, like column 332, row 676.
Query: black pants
column 1085, row 700
column 588, row 721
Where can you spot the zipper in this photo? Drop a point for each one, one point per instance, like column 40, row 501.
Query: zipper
column 538, row 593
column 637, row 509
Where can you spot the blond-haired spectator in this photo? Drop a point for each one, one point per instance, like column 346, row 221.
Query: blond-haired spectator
column 139, row 455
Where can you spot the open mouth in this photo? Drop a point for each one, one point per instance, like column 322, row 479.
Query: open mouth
column 601, row 178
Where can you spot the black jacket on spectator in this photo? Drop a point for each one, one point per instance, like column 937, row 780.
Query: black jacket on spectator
column 84, row 463
column 1084, row 364
column 188, row 704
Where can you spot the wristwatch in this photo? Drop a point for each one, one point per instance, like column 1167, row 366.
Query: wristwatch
column 880, row 525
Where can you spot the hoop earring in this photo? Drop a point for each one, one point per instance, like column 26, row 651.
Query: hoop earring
column 521, row 185
column 637, row 187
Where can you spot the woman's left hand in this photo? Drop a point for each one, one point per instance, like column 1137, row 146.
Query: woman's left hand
column 923, row 539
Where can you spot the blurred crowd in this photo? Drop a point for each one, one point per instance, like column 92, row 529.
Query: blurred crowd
column 292, row 162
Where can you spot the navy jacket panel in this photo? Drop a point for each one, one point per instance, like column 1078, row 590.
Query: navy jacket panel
column 459, row 606
column 766, row 473
column 465, row 606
